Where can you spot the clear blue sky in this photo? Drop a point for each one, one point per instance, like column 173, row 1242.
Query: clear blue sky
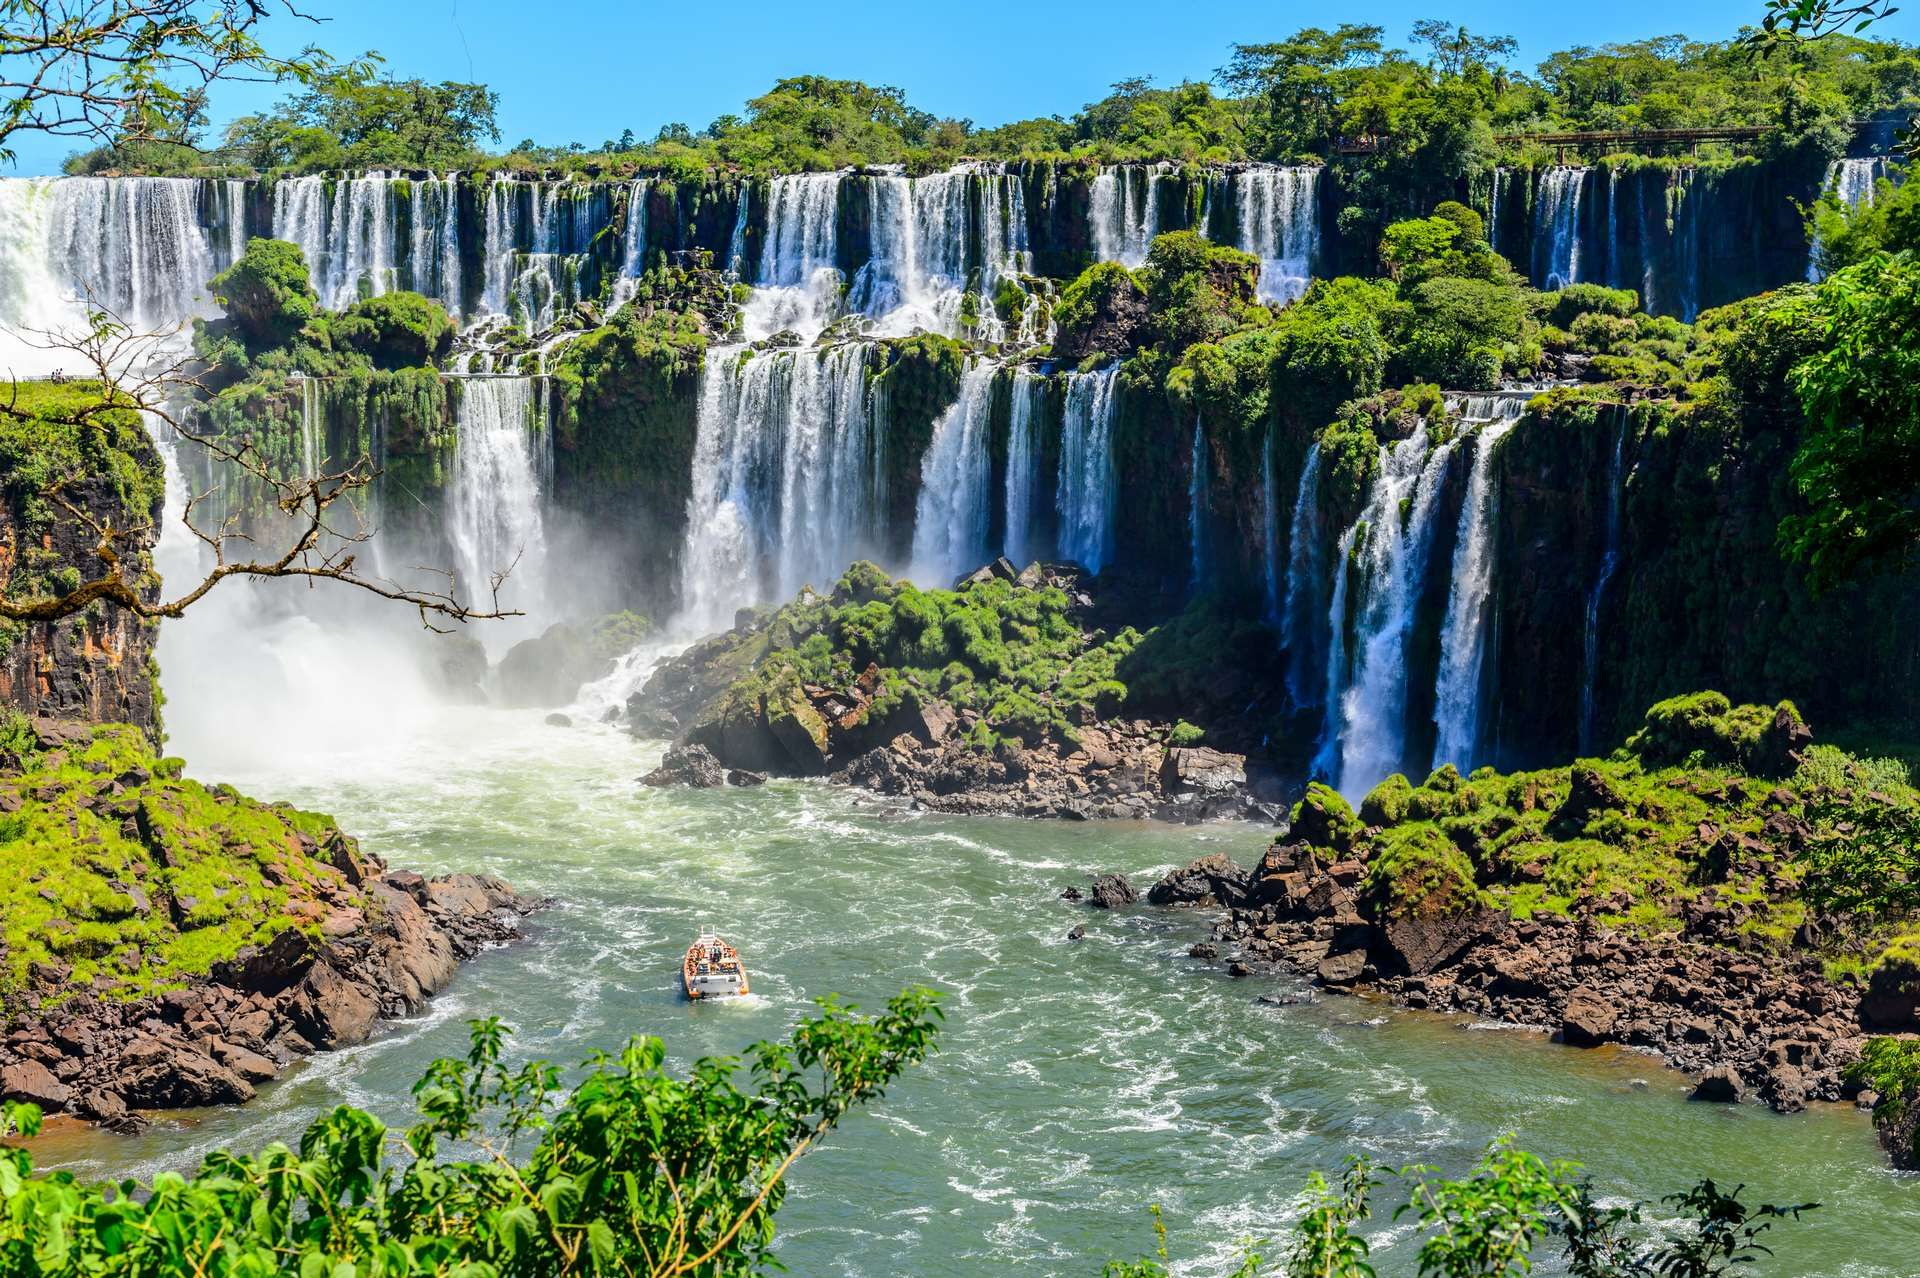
column 586, row 69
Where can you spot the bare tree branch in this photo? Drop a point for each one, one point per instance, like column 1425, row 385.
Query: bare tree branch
column 139, row 375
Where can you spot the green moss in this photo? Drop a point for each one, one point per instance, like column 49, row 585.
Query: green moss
column 140, row 879
column 65, row 435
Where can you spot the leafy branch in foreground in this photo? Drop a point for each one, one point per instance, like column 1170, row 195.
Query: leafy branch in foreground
column 1489, row 1223
column 1816, row 19
column 636, row 1172
column 133, row 70
column 130, row 376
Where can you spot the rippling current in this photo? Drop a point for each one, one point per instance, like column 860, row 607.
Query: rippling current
column 1077, row 1083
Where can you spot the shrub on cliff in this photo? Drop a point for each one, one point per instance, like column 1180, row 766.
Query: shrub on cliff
column 1197, row 291
column 59, row 436
column 1453, row 242
column 267, row 293
column 1460, row 333
column 1562, row 308
column 395, row 330
column 1102, row 311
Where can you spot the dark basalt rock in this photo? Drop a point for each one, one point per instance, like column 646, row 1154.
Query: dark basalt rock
column 212, row 1042
column 1111, row 892
column 692, row 766
column 1212, row 881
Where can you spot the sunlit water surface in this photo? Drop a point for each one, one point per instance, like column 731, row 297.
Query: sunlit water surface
column 1076, row 1084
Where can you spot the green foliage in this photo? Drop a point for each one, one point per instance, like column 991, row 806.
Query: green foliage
column 636, row 1170
column 1485, row 1225
column 1324, row 1244
column 1706, row 727
column 395, row 330
column 1186, row 734
column 1331, row 347
column 1846, row 235
column 1196, row 290
column 1859, row 460
column 67, row 435
column 1491, row 1222
column 1655, row 827
column 1095, row 292
column 350, row 123
column 1891, row 1067
column 1459, row 332
column 1575, row 300
column 267, row 293
column 1453, row 242
column 139, row 878
column 1865, row 860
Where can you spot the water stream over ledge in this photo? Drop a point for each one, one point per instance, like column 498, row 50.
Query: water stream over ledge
column 1077, row 1083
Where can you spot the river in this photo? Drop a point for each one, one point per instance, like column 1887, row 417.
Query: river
column 1077, row 1082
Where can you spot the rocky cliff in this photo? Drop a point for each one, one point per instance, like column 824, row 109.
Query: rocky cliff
column 64, row 479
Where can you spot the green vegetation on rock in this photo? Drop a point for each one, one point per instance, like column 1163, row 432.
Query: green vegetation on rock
column 125, row 877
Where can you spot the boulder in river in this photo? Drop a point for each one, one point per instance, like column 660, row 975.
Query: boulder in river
column 1211, row 881
column 693, row 766
column 1111, row 891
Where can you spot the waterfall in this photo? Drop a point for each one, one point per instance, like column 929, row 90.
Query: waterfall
column 633, row 255
column 1854, row 183
column 1126, row 212
column 351, row 238
column 133, row 246
column 1306, row 573
column 798, row 286
column 1556, row 227
column 737, row 242
column 1692, row 197
column 1277, row 212
column 1085, row 499
column 785, row 489
column 1197, row 499
column 1020, row 464
column 1463, row 635
column 1613, row 228
column 312, row 426
column 1596, row 598
column 1493, row 211
column 1368, row 717
column 538, row 236
column 922, row 267
column 494, row 522
column 1269, row 531
column 950, row 524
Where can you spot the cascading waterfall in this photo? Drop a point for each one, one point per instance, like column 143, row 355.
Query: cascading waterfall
column 798, row 286
column 1269, row 531
column 1613, row 228
column 1690, row 196
column 1020, row 463
column 537, row 240
column 921, row 269
column 1854, row 183
column 1306, row 573
column 1277, row 214
column 1556, row 227
column 1463, row 635
column 351, row 238
column 1596, row 597
column 1198, row 496
column 785, row 478
column 633, row 256
column 1493, row 210
column 1126, row 211
column 950, row 524
column 1085, row 498
column 1367, row 718
column 495, row 520
column 134, row 246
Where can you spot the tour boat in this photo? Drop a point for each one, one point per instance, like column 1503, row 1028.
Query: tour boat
column 712, row 968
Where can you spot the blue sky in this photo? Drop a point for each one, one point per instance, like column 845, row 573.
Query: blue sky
column 585, row 69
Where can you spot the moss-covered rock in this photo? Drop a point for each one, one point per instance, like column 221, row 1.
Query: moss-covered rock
column 125, row 877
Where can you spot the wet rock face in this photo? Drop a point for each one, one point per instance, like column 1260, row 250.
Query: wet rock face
column 212, row 1043
column 97, row 666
